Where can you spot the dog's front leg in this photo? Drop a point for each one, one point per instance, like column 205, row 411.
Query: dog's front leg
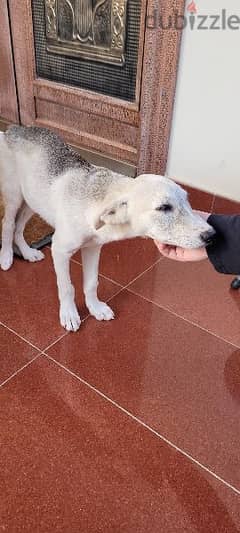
column 90, row 261
column 69, row 316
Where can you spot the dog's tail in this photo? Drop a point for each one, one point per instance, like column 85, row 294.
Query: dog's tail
column 2, row 140
column 3, row 147
column 2, row 143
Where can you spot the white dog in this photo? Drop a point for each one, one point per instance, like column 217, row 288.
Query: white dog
column 88, row 206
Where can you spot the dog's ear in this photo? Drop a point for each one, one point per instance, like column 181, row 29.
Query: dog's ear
column 117, row 213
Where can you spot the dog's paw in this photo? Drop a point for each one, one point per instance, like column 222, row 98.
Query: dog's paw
column 6, row 259
column 69, row 317
column 33, row 255
column 101, row 311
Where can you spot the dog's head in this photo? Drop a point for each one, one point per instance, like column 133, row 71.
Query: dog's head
column 156, row 207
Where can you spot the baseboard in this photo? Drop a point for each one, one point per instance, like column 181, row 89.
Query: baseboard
column 211, row 203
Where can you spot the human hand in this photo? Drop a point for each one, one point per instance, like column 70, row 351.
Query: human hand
column 202, row 214
column 181, row 254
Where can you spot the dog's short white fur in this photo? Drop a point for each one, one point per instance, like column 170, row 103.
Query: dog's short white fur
column 88, row 206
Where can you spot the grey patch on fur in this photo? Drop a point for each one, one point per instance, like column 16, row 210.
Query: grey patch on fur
column 93, row 186
column 60, row 157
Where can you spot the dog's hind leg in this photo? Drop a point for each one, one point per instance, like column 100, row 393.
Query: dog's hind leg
column 12, row 199
column 90, row 261
column 8, row 225
column 28, row 253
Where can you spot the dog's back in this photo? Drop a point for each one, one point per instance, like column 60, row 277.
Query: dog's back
column 32, row 159
column 57, row 156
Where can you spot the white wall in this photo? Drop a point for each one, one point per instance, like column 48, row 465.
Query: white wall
column 205, row 139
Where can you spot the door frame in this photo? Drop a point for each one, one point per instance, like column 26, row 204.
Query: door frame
column 159, row 77
column 8, row 93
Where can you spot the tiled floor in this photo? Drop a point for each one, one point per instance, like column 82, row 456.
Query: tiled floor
column 131, row 426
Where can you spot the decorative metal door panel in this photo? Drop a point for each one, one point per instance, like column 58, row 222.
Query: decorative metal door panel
column 89, row 44
column 91, row 29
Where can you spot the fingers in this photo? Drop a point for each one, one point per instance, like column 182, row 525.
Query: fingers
column 197, row 254
column 160, row 246
column 202, row 214
column 181, row 254
column 164, row 249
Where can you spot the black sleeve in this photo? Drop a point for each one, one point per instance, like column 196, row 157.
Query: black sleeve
column 224, row 252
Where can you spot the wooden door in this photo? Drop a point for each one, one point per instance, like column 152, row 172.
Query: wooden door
column 99, row 122
column 8, row 93
column 114, row 98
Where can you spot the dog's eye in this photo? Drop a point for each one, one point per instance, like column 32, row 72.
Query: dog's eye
column 165, row 208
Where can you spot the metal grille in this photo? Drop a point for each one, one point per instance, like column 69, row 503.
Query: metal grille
column 92, row 29
column 117, row 80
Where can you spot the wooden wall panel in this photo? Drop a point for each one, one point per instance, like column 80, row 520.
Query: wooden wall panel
column 99, row 132
column 83, row 100
column 8, row 94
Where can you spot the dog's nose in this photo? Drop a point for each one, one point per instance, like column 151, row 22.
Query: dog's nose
column 207, row 236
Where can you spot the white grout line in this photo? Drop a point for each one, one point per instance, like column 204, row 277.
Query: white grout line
column 110, row 298
column 144, row 272
column 146, row 426
column 123, row 287
column 20, row 336
column 101, row 394
column 117, row 282
column 55, row 341
column 100, row 275
column 195, row 324
column 82, row 321
column 212, row 204
column 19, row 370
column 112, row 280
column 42, row 351
column 106, row 301
column 127, row 287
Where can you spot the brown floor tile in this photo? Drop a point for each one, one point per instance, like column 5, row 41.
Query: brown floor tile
column 172, row 375
column 225, row 207
column 196, row 292
column 29, row 293
column 72, row 462
column 14, row 353
column 124, row 261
